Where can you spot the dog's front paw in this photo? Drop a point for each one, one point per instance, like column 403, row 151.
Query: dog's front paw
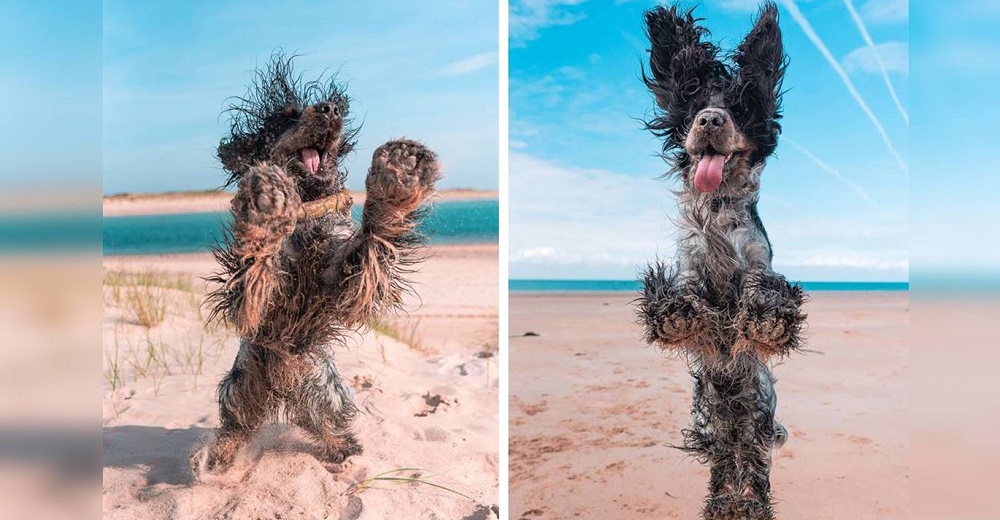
column 266, row 207
column 681, row 318
column 403, row 173
column 770, row 316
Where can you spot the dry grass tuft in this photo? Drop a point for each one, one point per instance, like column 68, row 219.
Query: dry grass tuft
column 403, row 333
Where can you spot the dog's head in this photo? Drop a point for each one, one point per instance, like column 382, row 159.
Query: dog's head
column 719, row 120
column 301, row 126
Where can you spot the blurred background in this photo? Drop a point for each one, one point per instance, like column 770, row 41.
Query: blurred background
column 50, row 259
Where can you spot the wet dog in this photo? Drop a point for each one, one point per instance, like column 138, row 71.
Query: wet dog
column 720, row 304
column 295, row 286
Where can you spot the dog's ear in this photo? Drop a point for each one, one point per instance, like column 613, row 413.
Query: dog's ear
column 684, row 70
column 235, row 154
column 760, row 68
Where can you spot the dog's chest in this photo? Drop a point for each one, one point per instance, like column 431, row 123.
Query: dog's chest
column 723, row 236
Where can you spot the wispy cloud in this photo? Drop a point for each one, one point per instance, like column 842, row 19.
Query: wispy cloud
column 818, row 42
column 882, row 57
column 886, row 11
column 474, row 63
column 528, row 17
column 572, row 222
column 897, row 56
column 831, row 170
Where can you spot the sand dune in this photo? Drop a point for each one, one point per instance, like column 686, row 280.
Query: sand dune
column 426, row 384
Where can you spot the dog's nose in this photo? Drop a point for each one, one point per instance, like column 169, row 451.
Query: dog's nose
column 328, row 108
column 711, row 120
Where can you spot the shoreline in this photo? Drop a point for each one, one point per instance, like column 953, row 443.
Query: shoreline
column 133, row 204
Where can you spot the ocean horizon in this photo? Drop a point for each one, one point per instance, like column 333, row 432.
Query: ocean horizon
column 538, row 285
column 448, row 222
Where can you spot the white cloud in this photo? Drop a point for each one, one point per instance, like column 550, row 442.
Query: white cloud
column 568, row 222
column 873, row 51
column 528, row 17
column 895, row 56
column 892, row 260
column 583, row 223
column 474, row 63
column 886, row 11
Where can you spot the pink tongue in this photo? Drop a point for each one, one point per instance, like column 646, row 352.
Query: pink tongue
column 310, row 158
column 708, row 176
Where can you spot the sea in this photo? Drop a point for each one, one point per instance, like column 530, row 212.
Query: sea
column 635, row 286
column 449, row 222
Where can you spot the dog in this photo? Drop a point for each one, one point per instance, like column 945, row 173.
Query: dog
column 720, row 305
column 293, row 286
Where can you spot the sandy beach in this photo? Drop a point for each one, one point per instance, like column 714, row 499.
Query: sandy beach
column 205, row 201
column 426, row 383
column 593, row 410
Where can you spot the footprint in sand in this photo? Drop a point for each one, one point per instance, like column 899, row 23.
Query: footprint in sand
column 353, row 509
column 861, row 440
column 533, row 409
column 435, row 434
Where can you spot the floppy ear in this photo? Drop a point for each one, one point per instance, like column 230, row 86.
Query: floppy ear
column 683, row 69
column 760, row 68
column 236, row 154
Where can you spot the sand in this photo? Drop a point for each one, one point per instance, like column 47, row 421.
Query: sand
column 200, row 202
column 593, row 410
column 427, row 385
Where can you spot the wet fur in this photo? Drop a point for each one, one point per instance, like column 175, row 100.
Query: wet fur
column 295, row 289
column 720, row 305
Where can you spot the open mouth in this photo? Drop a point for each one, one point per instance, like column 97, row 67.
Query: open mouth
column 708, row 173
column 311, row 159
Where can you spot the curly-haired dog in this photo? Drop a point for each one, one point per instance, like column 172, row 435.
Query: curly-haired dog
column 293, row 286
column 721, row 305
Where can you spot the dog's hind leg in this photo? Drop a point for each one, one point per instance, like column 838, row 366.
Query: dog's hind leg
column 324, row 407
column 746, row 433
column 400, row 180
column 246, row 401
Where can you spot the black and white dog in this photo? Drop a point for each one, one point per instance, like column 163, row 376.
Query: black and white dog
column 721, row 305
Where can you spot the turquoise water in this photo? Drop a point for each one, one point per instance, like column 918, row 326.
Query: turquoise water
column 635, row 285
column 50, row 232
column 449, row 222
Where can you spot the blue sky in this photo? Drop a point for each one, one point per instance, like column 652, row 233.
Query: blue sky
column 954, row 182
column 584, row 199
column 422, row 70
column 50, row 93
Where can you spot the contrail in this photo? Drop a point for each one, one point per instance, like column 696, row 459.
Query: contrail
column 806, row 28
column 831, row 170
column 881, row 65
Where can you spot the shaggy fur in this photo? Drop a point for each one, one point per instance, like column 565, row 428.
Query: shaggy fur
column 721, row 305
column 293, row 288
